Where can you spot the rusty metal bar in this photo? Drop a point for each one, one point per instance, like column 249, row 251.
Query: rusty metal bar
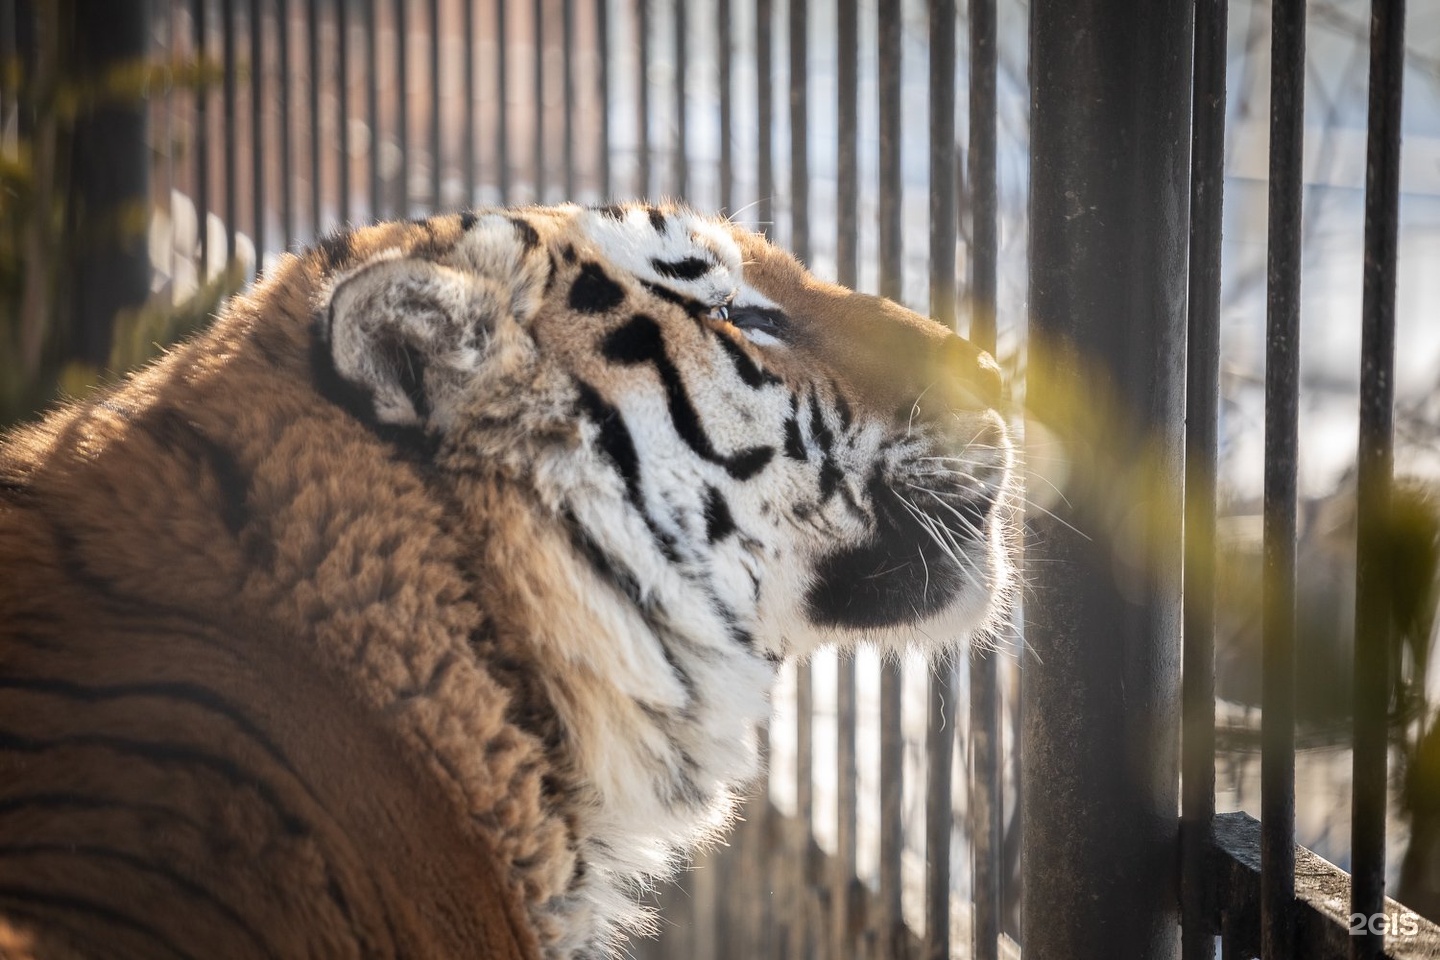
column 1373, row 585
column 1202, row 394
column 258, row 153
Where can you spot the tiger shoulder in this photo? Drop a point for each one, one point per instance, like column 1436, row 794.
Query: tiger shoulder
column 427, row 603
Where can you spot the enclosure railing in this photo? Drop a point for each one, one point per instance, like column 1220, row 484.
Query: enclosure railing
column 271, row 122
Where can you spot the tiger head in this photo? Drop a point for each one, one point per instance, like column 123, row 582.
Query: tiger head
column 735, row 441
column 542, row 496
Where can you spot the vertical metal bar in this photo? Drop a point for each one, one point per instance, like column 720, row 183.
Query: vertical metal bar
column 258, row 154
column 342, row 98
column 845, row 925
column 227, row 53
column 437, row 162
column 642, row 97
column 682, row 145
column 287, row 184
column 765, row 118
column 111, row 176
column 537, row 104
column 602, row 42
column 567, row 26
column 1109, row 210
column 1375, row 465
column 502, row 104
column 986, row 806
column 1282, row 386
column 723, row 55
column 402, row 104
column 940, row 730
column 1202, row 391
column 467, row 86
column 892, row 745
column 807, row 869
column 372, row 105
column 799, row 135
column 313, row 74
column 202, row 145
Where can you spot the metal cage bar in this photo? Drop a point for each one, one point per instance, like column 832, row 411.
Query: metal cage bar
column 1202, row 392
column 1375, row 460
column 1282, row 390
column 1108, row 212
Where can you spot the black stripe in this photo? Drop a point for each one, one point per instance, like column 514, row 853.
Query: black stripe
column 794, row 445
column 643, row 334
column 690, row 305
column 529, row 236
column 719, row 522
column 745, row 365
column 163, row 754
column 413, row 442
column 611, row 210
column 190, row 693
column 687, row 268
column 468, row 219
column 94, row 910
column 613, row 572
column 57, row 801
column 176, row 433
column 615, row 440
column 593, row 291
column 142, row 865
column 657, row 218
column 830, row 476
column 819, row 430
column 336, row 249
column 842, row 407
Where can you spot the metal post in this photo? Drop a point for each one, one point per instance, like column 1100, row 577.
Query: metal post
column 1109, row 174
column 112, row 177
column 1202, row 394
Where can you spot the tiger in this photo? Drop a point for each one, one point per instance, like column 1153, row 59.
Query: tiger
column 428, row 602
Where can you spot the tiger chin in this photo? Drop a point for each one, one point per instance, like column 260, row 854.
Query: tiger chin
column 427, row 604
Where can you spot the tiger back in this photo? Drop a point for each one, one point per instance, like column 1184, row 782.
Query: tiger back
column 427, row 604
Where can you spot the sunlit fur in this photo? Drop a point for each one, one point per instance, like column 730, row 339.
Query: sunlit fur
column 427, row 603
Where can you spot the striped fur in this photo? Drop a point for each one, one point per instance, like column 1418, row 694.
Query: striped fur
column 426, row 605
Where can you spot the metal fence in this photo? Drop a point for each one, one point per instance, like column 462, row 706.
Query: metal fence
column 892, row 822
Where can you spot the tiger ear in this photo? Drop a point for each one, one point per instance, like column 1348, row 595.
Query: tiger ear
column 410, row 334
